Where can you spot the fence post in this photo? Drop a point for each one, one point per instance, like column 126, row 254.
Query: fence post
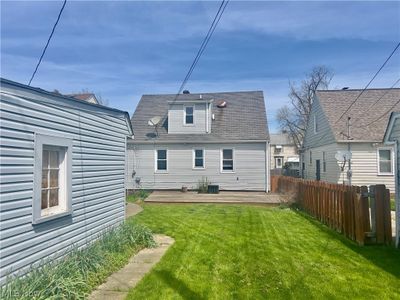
column 380, row 191
column 387, row 219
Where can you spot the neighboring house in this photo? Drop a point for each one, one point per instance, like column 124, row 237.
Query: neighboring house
column 283, row 151
column 88, row 97
column 221, row 136
column 392, row 138
column 372, row 162
column 62, row 174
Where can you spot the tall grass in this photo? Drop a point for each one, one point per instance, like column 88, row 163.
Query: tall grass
column 79, row 272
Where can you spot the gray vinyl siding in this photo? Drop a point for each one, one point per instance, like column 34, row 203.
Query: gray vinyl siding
column 176, row 119
column 364, row 165
column 394, row 136
column 324, row 136
column 98, row 175
column 250, row 165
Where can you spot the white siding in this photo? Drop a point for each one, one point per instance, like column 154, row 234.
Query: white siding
column 364, row 165
column 98, row 168
column 250, row 164
column 324, row 135
column 176, row 119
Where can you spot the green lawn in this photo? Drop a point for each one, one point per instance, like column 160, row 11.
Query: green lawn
column 249, row 252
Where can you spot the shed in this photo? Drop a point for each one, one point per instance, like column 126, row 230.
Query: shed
column 392, row 137
column 62, row 174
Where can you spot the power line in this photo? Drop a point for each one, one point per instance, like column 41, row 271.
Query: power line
column 381, row 116
column 48, row 42
column 380, row 98
column 376, row 74
column 203, row 46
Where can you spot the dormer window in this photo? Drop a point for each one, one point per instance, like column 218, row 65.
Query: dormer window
column 188, row 112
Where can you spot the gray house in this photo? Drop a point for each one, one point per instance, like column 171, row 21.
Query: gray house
column 372, row 162
column 392, row 138
column 221, row 136
column 62, row 174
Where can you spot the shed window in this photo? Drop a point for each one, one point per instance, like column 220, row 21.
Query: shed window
column 227, row 160
column 198, row 158
column 162, row 164
column 189, row 115
column 385, row 161
column 52, row 178
column 310, row 158
column 323, row 161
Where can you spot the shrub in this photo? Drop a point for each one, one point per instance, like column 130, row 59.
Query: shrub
column 138, row 195
column 82, row 269
column 202, row 185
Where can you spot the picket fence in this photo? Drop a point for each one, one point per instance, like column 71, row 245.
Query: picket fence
column 362, row 214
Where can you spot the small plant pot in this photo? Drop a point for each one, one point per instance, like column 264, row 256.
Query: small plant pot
column 184, row 189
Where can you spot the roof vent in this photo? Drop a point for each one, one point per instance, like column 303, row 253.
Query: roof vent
column 345, row 88
column 221, row 104
column 186, row 92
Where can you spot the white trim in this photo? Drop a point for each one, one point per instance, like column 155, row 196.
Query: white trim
column 315, row 124
column 65, row 178
column 391, row 159
column 184, row 114
column 233, row 160
column 144, row 142
column 194, row 157
column 155, row 160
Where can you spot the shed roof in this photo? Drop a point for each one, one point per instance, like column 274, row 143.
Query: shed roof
column 280, row 139
column 41, row 95
column 369, row 114
column 243, row 118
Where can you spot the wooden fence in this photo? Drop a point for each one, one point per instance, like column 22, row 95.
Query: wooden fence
column 361, row 214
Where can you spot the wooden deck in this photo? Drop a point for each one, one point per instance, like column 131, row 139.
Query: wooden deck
column 222, row 197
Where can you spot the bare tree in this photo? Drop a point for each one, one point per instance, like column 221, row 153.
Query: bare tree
column 293, row 118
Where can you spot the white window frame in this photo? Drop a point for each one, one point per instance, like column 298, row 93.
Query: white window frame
column 222, row 160
column 184, row 115
column 391, row 160
column 323, row 162
column 65, row 178
column 156, row 158
column 276, row 159
column 194, row 159
column 315, row 124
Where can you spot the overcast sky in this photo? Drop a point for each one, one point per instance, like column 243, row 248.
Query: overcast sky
column 123, row 49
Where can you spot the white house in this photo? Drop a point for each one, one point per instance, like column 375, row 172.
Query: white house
column 392, row 138
column 62, row 174
column 283, row 151
column 221, row 136
column 372, row 162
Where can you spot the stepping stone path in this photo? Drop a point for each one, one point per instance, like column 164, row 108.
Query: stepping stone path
column 118, row 284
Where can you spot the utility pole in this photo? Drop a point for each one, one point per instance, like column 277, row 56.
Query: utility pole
column 349, row 172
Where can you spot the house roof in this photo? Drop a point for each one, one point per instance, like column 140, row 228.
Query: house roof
column 46, row 96
column 243, row 118
column 369, row 114
column 280, row 139
column 84, row 97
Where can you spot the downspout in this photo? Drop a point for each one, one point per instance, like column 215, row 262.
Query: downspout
column 207, row 113
column 267, row 184
column 397, row 193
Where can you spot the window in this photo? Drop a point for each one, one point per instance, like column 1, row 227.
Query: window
column 161, row 160
column 278, row 162
column 52, row 186
column 198, row 159
column 310, row 157
column 278, row 149
column 227, row 160
column 385, row 161
column 315, row 124
column 323, row 161
column 189, row 110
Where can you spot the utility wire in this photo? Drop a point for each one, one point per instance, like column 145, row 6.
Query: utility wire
column 48, row 42
column 376, row 74
column 379, row 99
column 203, row 46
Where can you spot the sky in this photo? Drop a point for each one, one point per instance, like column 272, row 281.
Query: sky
column 121, row 50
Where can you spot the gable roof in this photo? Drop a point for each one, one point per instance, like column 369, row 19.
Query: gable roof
column 369, row 114
column 243, row 118
column 280, row 139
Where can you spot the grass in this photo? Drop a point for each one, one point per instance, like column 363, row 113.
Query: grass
column 250, row 252
column 79, row 272
column 138, row 196
column 392, row 204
